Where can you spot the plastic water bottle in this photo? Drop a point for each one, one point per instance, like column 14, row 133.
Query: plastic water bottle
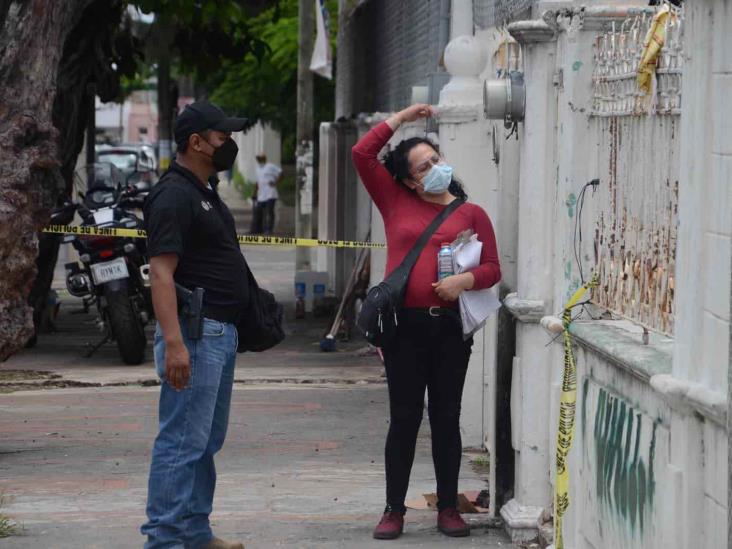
column 444, row 262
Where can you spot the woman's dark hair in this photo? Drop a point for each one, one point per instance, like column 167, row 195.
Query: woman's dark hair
column 397, row 164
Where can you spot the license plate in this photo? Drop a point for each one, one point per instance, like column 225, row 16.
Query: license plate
column 104, row 215
column 110, row 270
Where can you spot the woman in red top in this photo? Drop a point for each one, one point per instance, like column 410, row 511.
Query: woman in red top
column 412, row 186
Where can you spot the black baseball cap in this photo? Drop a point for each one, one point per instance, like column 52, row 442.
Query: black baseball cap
column 202, row 115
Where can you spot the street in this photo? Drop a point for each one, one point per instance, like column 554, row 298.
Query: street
column 302, row 465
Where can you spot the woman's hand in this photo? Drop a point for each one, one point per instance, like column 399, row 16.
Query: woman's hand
column 410, row 114
column 450, row 288
column 415, row 112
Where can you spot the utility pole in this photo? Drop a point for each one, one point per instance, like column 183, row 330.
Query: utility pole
column 165, row 112
column 304, row 160
column 161, row 54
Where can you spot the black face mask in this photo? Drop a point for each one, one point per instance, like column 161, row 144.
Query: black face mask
column 224, row 155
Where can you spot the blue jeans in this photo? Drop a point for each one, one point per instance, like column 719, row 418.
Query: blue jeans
column 192, row 429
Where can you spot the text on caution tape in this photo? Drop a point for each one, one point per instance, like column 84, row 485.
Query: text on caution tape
column 245, row 240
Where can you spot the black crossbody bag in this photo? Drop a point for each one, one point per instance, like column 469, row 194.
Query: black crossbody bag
column 378, row 318
column 260, row 325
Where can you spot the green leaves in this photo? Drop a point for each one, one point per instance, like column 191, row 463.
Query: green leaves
column 243, row 52
column 262, row 85
column 206, row 33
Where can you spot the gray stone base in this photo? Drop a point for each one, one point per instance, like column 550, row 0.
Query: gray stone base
column 522, row 522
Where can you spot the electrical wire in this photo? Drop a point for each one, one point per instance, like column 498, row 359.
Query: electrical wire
column 577, row 237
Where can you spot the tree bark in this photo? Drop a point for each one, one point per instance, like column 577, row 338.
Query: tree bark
column 32, row 38
column 88, row 52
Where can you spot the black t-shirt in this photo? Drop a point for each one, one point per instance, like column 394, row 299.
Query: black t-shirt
column 185, row 218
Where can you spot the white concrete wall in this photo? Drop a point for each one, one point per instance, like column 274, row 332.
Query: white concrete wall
column 532, row 399
column 674, row 410
column 703, row 258
column 260, row 138
column 705, row 198
column 623, row 489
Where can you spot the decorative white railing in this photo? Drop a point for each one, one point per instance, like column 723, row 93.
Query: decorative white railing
column 637, row 159
column 617, row 55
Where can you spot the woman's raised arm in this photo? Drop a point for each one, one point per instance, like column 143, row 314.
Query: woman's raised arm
column 376, row 178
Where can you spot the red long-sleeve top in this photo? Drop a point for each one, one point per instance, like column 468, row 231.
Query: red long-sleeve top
column 406, row 216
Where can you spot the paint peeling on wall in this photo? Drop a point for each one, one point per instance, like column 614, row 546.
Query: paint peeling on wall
column 636, row 213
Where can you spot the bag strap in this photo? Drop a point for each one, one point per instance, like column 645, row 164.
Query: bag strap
column 401, row 273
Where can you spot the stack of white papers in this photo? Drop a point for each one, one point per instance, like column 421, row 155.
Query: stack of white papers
column 476, row 306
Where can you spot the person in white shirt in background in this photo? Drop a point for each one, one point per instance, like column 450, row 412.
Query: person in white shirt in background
column 268, row 176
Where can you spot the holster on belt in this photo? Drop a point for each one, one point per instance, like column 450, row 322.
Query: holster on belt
column 190, row 307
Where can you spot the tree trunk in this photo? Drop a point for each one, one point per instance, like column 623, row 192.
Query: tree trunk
column 29, row 157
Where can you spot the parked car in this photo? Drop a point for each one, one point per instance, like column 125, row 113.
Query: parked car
column 136, row 161
column 148, row 150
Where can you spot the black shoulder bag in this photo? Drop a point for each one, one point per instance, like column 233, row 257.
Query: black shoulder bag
column 260, row 323
column 378, row 320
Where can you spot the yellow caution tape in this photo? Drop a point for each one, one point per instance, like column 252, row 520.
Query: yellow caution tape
column 652, row 46
column 567, row 409
column 244, row 240
column 79, row 230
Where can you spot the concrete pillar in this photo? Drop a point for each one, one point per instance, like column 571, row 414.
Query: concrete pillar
column 461, row 18
column 531, row 395
column 464, row 140
column 705, row 199
column 702, row 282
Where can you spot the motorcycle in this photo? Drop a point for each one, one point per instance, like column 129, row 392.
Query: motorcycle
column 113, row 274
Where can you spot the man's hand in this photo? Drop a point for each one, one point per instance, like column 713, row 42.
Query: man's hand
column 177, row 361
column 450, row 288
column 177, row 365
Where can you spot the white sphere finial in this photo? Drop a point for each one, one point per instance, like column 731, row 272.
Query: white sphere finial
column 465, row 59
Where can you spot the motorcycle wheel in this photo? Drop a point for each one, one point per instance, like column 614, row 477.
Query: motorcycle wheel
column 126, row 327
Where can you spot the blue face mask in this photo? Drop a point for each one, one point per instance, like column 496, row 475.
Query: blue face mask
column 437, row 179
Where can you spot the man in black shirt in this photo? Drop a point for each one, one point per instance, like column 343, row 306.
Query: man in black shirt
column 192, row 242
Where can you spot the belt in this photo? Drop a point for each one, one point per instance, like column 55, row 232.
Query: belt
column 434, row 311
column 228, row 315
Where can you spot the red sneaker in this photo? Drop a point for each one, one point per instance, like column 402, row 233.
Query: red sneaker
column 450, row 523
column 390, row 526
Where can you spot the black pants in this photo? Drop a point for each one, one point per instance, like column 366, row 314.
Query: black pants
column 263, row 217
column 256, row 227
column 428, row 352
column 266, row 215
